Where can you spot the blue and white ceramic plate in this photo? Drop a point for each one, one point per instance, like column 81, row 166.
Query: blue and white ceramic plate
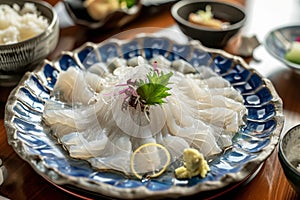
column 32, row 140
column 278, row 40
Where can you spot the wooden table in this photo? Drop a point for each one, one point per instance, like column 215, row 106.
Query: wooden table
column 270, row 183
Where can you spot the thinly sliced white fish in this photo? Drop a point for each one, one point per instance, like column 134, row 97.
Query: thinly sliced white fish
column 183, row 66
column 72, row 87
column 203, row 112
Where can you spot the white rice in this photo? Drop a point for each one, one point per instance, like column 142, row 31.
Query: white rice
column 18, row 24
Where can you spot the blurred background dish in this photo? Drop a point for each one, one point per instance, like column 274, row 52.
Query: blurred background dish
column 112, row 16
column 233, row 15
column 75, row 12
column 20, row 56
column 279, row 41
column 289, row 156
column 156, row 2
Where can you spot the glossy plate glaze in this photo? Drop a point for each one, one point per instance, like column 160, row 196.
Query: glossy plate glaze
column 252, row 145
column 278, row 40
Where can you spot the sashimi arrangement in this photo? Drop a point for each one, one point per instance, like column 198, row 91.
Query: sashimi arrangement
column 106, row 113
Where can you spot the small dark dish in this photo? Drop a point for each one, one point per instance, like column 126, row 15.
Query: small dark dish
column 278, row 41
column 156, row 2
column 289, row 156
column 117, row 19
column 208, row 36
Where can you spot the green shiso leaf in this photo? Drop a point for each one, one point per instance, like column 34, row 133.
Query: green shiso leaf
column 153, row 92
column 162, row 79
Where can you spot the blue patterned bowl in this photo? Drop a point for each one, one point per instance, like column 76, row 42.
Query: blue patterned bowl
column 278, row 40
column 289, row 156
column 252, row 145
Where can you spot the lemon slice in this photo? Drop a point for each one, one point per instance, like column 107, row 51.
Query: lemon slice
column 150, row 159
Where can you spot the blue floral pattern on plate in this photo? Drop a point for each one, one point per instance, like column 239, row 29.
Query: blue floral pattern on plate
column 32, row 140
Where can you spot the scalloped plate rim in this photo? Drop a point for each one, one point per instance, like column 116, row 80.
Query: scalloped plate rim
column 143, row 192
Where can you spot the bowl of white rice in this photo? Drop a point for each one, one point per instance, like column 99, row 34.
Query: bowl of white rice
column 29, row 32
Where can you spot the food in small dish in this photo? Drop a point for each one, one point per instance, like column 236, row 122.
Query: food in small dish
column 104, row 14
column 206, row 18
column 282, row 43
column 20, row 23
column 99, row 9
column 104, row 117
column 18, row 57
column 293, row 54
column 214, row 26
